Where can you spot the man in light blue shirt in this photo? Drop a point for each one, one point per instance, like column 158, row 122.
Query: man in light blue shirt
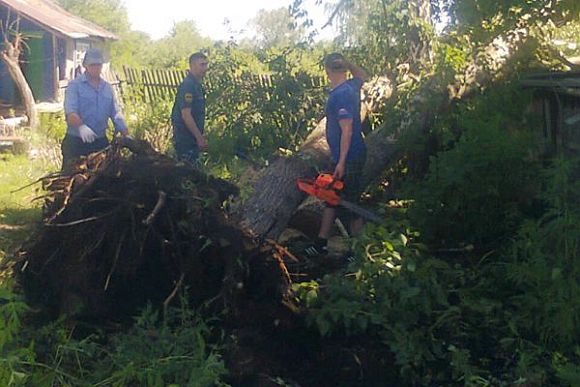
column 89, row 103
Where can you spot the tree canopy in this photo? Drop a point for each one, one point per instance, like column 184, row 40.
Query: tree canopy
column 275, row 28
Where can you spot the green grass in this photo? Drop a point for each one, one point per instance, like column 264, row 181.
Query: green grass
column 17, row 211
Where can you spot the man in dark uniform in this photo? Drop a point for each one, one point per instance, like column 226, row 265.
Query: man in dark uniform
column 345, row 140
column 188, row 113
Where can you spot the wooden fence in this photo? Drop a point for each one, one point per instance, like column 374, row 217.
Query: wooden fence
column 154, row 83
column 162, row 83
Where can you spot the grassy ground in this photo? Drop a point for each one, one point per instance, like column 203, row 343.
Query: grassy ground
column 17, row 211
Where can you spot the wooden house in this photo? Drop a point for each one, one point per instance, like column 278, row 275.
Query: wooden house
column 558, row 93
column 56, row 41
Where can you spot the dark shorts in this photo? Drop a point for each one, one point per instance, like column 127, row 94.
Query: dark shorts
column 73, row 148
column 353, row 186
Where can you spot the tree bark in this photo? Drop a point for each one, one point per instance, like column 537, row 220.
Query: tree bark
column 10, row 55
column 276, row 196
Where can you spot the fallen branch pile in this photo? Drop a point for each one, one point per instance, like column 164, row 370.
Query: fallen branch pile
column 129, row 225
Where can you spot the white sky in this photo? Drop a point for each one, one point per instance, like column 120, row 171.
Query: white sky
column 157, row 17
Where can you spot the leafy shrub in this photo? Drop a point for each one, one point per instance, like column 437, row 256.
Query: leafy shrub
column 149, row 121
column 503, row 318
column 173, row 352
column 13, row 355
column 401, row 298
column 480, row 190
column 52, row 126
column 152, row 353
column 543, row 267
column 243, row 114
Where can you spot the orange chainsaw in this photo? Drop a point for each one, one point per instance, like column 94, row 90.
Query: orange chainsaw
column 326, row 188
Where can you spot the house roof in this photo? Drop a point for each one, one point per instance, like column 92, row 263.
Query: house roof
column 565, row 82
column 55, row 18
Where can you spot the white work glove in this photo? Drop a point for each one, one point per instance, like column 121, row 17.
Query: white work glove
column 87, row 134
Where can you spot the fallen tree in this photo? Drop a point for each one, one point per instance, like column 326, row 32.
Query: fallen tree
column 276, row 198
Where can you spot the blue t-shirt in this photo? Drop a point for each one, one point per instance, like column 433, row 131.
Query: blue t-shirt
column 344, row 103
column 190, row 94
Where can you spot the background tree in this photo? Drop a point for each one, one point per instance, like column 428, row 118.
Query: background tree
column 10, row 54
column 109, row 14
column 275, row 28
column 174, row 49
column 388, row 33
column 131, row 48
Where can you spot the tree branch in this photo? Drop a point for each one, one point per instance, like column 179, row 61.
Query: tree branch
column 335, row 12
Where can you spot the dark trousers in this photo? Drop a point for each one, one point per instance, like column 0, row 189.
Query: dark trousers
column 73, row 148
column 186, row 151
column 352, row 185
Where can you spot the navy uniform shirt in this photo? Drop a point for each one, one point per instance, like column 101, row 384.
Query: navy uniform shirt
column 344, row 103
column 190, row 94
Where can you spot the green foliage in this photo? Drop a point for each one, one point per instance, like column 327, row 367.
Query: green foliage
column 545, row 264
column 11, row 308
column 52, row 126
column 174, row 49
column 258, row 119
column 483, row 19
column 15, row 173
column 275, row 28
column 567, row 38
column 480, row 189
column 12, row 355
column 149, row 121
column 154, row 352
column 134, row 49
column 404, row 300
column 503, row 318
column 384, row 34
column 568, row 371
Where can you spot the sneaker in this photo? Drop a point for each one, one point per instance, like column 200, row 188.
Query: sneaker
column 313, row 250
column 317, row 248
column 347, row 258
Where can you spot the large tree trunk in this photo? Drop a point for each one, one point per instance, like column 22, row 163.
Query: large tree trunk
column 276, row 196
column 9, row 55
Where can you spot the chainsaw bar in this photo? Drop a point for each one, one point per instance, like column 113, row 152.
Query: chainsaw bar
column 363, row 212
